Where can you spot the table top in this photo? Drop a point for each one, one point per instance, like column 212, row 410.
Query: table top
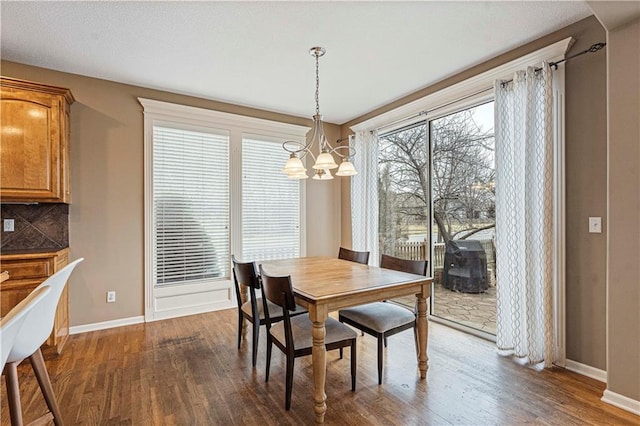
column 323, row 279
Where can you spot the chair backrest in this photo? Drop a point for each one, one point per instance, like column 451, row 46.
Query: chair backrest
column 354, row 256
column 245, row 273
column 39, row 322
column 418, row 267
column 11, row 324
column 278, row 290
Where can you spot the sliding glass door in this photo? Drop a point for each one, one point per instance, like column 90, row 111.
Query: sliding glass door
column 436, row 189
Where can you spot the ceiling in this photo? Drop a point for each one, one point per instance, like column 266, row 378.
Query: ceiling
column 256, row 53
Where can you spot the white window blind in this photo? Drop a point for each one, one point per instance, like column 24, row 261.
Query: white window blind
column 270, row 203
column 190, row 205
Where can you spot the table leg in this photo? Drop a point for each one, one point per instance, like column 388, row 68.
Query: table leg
column 423, row 333
column 318, row 316
column 244, row 296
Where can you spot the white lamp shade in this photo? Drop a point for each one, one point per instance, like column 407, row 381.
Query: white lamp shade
column 322, row 175
column 294, row 165
column 346, row 169
column 298, row 175
column 325, row 161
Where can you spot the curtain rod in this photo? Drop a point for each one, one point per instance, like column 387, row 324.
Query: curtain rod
column 592, row 49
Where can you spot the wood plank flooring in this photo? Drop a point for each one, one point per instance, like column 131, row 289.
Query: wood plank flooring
column 188, row 371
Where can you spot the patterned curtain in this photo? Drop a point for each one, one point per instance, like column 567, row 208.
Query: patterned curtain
column 364, row 195
column 524, row 215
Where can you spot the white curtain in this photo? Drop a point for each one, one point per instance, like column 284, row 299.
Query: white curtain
column 364, row 195
column 524, row 215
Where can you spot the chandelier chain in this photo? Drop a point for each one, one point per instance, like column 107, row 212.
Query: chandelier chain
column 317, row 84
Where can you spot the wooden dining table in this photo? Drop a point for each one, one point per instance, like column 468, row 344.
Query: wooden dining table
column 326, row 284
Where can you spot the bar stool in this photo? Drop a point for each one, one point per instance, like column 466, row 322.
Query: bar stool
column 35, row 330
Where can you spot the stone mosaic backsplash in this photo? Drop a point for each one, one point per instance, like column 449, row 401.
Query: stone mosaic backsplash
column 37, row 226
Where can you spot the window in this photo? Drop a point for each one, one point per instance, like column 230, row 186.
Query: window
column 270, row 202
column 213, row 187
column 190, row 205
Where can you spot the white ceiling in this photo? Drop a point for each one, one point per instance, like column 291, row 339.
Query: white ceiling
column 256, row 53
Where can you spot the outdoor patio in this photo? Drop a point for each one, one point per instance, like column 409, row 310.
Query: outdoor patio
column 475, row 310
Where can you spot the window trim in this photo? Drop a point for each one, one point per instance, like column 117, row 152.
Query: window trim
column 473, row 90
column 221, row 294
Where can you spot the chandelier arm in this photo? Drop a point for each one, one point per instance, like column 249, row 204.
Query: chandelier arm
column 297, row 148
column 351, row 151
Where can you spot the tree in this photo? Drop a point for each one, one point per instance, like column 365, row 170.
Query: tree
column 463, row 173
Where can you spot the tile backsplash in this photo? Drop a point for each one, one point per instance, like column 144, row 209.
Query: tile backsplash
column 36, row 226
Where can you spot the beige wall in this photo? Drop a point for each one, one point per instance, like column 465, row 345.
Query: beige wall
column 107, row 210
column 623, row 53
column 585, row 182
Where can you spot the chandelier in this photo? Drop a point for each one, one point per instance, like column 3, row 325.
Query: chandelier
column 324, row 163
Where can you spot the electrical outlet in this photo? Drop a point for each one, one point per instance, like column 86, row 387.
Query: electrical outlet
column 9, row 225
column 111, row 296
column 595, row 225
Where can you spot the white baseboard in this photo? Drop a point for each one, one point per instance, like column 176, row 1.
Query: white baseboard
column 105, row 324
column 586, row 370
column 621, row 401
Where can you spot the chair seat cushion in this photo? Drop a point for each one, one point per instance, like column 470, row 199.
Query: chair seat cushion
column 275, row 311
column 301, row 329
column 378, row 316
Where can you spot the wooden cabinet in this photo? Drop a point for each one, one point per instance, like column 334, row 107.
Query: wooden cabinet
column 26, row 272
column 34, row 147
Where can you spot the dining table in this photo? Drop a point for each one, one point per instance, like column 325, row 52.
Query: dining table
column 325, row 284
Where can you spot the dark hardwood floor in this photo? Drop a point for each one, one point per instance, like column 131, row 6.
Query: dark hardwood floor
column 188, row 371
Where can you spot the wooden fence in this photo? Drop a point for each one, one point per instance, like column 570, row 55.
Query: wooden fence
column 417, row 250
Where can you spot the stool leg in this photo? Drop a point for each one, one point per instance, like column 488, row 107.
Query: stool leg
column 13, row 393
column 37, row 362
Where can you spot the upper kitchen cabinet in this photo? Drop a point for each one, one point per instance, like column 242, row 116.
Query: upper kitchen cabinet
column 34, row 144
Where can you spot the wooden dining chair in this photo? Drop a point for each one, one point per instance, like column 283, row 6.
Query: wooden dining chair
column 37, row 327
column 244, row 273
column 293, row 335
column 384, row 319
column 354, row 256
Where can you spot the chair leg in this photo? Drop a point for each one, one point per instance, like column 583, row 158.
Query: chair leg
column 289, row 379
column 385, row 341
column 239, row 328
column 415, row 340
column 340, row 353
column 13, row 393
column 353, row 365
column 380, row 359
column 256, row 335
column 37, row 362
column 269, row 346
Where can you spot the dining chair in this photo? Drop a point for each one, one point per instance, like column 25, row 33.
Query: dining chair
column 35, row 330
column 244, row 273
column 353, row 256
column 293, row 335
column 384, row 319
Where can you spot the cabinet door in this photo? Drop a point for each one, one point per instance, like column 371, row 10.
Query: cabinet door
column 30, row 147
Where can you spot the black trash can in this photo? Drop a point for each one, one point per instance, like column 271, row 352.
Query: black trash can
column 465, row 266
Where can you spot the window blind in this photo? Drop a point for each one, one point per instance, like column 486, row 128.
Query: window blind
column 270, row 203
column 190, row 205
